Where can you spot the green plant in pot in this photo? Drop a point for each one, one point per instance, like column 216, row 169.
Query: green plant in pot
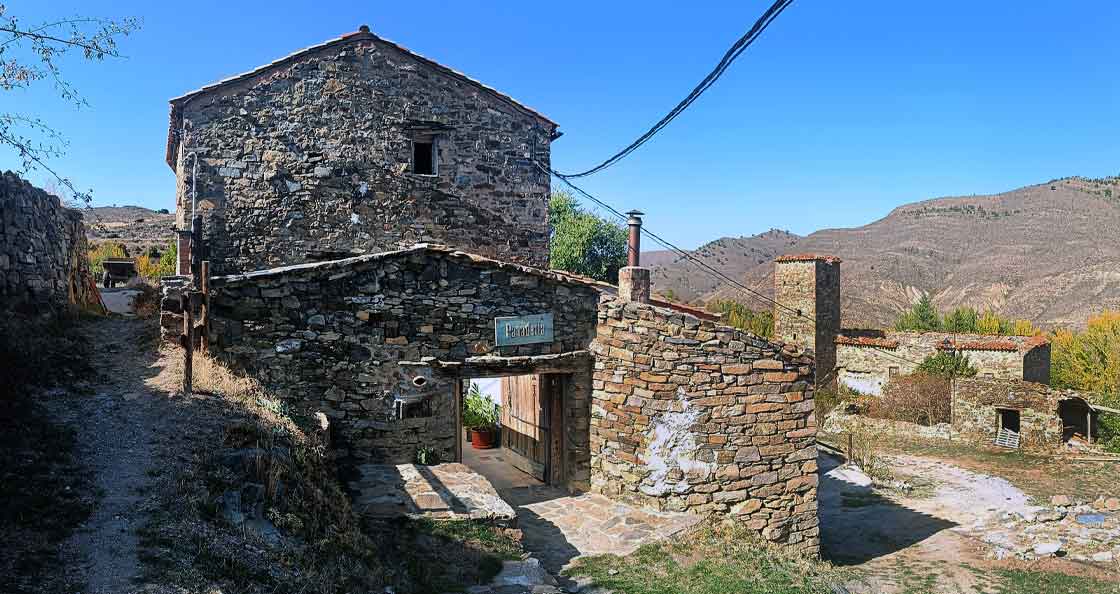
column 480, row 416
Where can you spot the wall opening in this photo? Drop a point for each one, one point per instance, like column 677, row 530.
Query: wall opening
column 527, row 446
column 424, row 155
column 1076, row 419
column 1009, row 419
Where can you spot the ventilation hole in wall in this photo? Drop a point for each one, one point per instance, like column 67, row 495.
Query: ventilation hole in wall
column 419, row 382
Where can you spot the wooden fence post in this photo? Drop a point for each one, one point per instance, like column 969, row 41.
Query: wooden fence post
column 188, row 342
column 204, row 315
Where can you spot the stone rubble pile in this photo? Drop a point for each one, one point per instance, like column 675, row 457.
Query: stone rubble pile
column 1080, row 531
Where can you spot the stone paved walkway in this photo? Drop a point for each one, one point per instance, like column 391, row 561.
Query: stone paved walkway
column 558, row 527
column 442, row 492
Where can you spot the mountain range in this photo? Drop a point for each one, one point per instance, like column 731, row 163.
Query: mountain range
column 1049, row 253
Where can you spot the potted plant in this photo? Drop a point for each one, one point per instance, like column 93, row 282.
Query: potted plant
column 480, row 416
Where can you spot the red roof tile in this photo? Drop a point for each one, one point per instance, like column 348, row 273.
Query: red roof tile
column 869, row 341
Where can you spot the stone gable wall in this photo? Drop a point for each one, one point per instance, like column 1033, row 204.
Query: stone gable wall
column 976, row 416
column 314, row 156
column 688, row 415
column 44, row 262
column 867, row 368
column 329, row 337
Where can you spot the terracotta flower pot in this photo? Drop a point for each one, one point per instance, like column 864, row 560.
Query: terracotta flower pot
column 482, row 439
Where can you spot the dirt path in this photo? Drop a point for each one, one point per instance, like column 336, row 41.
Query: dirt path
column 931, row 539
column 123, row 433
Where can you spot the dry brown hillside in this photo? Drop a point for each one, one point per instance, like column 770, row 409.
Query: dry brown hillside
column 137, row 227
column 1047, row 252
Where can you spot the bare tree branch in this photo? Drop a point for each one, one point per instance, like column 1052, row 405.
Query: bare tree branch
column 31, row 53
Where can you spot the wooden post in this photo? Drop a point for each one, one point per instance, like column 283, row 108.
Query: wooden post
column 204, row 312
column 851, row 447
column 1089, row 426
column 188, row 342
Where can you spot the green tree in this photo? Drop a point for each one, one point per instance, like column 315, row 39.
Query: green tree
column 922, row 317
column 961, row 320
column 1089, row 361
column 584, row 243
column 948, row 364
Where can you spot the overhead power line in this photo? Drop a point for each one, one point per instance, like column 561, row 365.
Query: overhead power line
column 734, row 52
column 704, row 266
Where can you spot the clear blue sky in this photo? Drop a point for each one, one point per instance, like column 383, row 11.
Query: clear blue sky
column 840, row 112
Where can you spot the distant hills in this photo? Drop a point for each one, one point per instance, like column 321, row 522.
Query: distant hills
column 138, row 228
column 1049, row 253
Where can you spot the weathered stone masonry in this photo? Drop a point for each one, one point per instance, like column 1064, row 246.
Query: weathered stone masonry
column 312, row 155
column 43, row 252
column 866, row 359
column 330, row 336
column 977, row 403
column 691, row 415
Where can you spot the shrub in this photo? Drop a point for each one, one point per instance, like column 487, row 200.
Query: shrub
column 152, row 268
column 478, row 410
column 921, row 398
column 738, row 315
column 99, row 252
column 948, row 364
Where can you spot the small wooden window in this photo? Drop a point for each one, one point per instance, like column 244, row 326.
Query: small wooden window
column 892, row 371
column 424, row 157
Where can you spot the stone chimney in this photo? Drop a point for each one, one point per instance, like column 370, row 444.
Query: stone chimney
column 633, row 280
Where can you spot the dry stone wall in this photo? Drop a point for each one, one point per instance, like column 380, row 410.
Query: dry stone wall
column 331, row 336
column 692, row 416
column 314, row 156
column 43, row 251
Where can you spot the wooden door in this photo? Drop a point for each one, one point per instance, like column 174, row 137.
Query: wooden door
column 525, row 423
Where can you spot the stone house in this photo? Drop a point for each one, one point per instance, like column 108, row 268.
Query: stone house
column 357, row 145
column 1033, row 415
column 867, row 359
column 645, row 402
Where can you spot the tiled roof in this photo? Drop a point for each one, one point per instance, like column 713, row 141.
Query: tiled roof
column 981, row 345
column 362, row 34
column 808, row 258
column 869, row 341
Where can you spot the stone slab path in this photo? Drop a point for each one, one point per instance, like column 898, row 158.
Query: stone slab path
column 558, row 528
column 442, row 492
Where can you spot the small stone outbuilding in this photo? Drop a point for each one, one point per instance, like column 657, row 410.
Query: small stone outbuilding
column 1040, row 417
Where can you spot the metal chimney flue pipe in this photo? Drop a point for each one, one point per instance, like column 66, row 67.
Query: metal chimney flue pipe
column 634, row 243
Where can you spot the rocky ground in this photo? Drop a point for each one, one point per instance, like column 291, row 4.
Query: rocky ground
column 961, row 527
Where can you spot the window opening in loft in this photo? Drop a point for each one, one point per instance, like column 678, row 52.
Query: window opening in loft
column 424, row 160
column 892, row 371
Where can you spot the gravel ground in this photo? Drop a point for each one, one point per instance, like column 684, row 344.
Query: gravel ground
column 125, row 436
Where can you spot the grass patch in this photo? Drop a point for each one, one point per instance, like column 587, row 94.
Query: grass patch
column 1038, row 582
column 717, row 559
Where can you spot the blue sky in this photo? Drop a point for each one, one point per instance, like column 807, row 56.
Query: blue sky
column 840, row 112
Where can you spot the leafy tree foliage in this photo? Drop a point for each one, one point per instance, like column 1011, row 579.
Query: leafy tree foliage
column 759, row 323
column 922, row 317
column 32, row 53
column 584, row 243
column 1090, row 361
column 948, row 364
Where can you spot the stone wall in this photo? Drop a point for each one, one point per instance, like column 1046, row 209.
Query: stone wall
column 312, row 157
column 44, row 262
column 807, row 289
column 866, row 360
column 690, row 415
column 977, row 401
column 331, row 337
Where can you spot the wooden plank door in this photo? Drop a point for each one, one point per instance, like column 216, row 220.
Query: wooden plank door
column 525, row 427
